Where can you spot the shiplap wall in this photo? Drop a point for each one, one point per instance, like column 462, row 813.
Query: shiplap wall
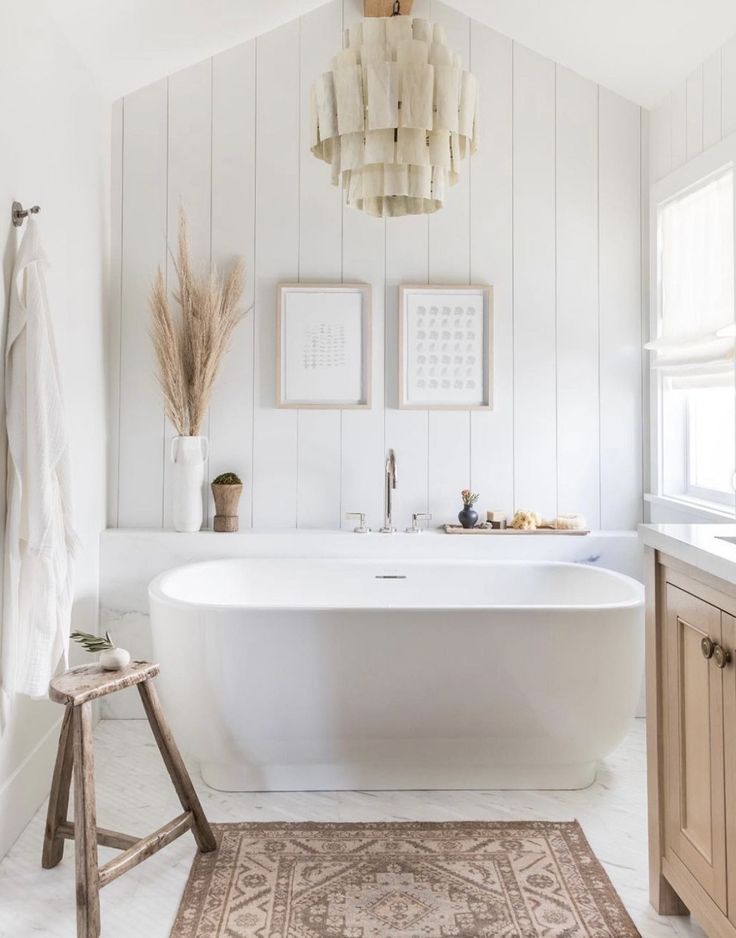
column 548, row 212
column 696, row 114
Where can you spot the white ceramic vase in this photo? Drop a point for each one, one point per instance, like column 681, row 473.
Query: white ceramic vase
column 114, row 659
column 188, row 457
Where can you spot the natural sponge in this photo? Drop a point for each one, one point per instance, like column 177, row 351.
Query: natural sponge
column 526, row 521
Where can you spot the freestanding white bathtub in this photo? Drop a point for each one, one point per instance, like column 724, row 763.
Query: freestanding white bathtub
column 347, row 674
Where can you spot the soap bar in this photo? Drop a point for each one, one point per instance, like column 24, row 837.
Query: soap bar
column 496, row 519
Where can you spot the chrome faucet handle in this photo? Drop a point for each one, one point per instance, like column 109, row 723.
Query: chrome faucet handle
column 416, row 522
column 361, row 529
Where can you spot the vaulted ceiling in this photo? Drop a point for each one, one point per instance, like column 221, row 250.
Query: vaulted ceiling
column 639, row 48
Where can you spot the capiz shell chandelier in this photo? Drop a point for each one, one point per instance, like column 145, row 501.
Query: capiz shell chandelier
column 394, row 116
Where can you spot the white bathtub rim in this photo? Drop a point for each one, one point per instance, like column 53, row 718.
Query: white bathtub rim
column 157, row 591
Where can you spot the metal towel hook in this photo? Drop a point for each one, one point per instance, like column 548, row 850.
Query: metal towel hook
column 19, row 214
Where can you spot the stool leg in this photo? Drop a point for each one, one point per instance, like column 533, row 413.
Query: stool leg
column 176, row 768
column 85, row 825
column 53, row 845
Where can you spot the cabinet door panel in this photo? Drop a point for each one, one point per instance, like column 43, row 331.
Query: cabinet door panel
column 728, row 632
column 693, row 710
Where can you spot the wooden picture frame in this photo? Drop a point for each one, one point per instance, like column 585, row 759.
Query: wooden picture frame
column 324, row 346
column 438, row 322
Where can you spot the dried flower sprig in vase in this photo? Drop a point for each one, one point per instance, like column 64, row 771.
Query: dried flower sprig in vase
column 468, row 517
column 190, row 347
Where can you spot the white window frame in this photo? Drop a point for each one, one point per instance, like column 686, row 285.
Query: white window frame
column 702, row 504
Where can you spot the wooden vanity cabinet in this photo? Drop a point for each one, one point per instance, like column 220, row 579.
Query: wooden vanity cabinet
column 691, row 743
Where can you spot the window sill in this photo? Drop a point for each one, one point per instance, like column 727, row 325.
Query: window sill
column 690, row 509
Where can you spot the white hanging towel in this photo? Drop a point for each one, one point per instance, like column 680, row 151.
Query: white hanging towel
column 39, row 537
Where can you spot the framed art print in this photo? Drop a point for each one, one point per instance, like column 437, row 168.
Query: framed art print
column 446, row 347
column 323, row 347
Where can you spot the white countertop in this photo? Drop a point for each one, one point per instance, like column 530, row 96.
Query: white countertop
column 701, row 545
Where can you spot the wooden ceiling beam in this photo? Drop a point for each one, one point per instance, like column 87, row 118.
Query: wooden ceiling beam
column 385, row 7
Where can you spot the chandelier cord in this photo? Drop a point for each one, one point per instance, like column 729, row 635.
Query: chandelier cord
column 397, row 8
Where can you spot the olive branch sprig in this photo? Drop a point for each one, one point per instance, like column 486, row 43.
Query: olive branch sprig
column 94, row 643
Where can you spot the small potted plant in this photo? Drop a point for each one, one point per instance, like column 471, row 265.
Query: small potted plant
column 226, row 490
column 468, row 517
column 112, row 658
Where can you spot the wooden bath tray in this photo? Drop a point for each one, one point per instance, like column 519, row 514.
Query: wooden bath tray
column 457, row 529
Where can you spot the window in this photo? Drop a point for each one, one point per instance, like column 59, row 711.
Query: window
column 693, row 360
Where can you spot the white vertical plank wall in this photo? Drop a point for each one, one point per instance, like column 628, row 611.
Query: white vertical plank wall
column 697, row 114
column 694, row 113
column 320, row 258
column 363, row 431
column 233, row 235
column 535, row 365
column 620, row 324
column 112, row 348
column 712, row 99
column 275, row 431
column 728, row 87
column 449, row 262
column 229, row 139
column 678, row 117
column 190, row 191
column 578, row 452
column 407, row 431
column 143, row 195
column 491, row 259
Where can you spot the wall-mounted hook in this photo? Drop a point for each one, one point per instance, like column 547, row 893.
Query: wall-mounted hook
column 19, row 214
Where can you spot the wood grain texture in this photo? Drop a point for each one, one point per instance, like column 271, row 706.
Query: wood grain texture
column 104, row 837
column 89, row 681
column 176, row 768
column 145, row 847
column 694, row 800
column 661, row 894
column 728, row 637
column 58, row 807
column 85, row 841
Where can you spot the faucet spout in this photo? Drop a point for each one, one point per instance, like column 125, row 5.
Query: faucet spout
column 390, row 479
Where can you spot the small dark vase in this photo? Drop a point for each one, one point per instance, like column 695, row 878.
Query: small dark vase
column 468, row 517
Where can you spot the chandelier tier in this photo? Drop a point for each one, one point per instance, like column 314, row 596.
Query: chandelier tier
column 394, row 116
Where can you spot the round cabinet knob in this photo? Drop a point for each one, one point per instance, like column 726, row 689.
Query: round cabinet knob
column 707, row 647
column 721, row 656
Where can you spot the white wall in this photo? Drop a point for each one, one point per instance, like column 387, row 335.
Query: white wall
column 696, row 115
column 549, row 213
column 55, row 151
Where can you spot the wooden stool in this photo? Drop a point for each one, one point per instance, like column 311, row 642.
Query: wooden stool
column 76, row 689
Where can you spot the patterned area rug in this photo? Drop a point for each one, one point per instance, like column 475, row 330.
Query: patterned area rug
column 406, row 880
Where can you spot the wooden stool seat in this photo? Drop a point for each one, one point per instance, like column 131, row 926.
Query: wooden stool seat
column 89, row 681
column 76, row 689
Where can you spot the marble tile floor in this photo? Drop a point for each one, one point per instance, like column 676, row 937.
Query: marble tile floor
column 134, row 795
